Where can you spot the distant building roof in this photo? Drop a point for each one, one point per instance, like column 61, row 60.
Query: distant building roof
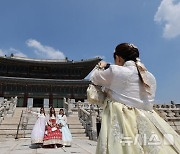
column 46, row 68
column 34, row 60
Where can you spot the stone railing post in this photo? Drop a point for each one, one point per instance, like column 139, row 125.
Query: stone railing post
column 79, row 106
column 170, row 113
column 65, row 106
column 69, row 107
column 177, row 113
column 1, row 113
column 93, row 125
column 12, row 106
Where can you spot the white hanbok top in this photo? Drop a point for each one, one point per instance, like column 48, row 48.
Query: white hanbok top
column 66, row 134
column 122, row 84
column 37, row 134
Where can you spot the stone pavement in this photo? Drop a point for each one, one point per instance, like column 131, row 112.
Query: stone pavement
column 23, row 146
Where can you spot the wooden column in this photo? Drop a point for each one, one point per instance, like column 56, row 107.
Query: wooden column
column 25, row 100
column 1, row 90
column 50, row 100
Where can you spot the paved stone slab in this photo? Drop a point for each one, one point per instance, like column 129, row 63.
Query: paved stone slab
column 23, row 146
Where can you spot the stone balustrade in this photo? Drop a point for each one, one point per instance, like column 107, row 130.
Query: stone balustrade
column 171, row 114
column 7, row 107
column 168, row 112
column 88, row 120
column 65, row 106
column 89, row 115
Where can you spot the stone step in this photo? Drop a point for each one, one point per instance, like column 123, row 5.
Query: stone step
column 11, row 121
column 76, row 131
column 75, row 126
column 73, row 115
column 8, row 126
column 27, row 131
column 30, row 126
column 74, row 122
column 73, row 137
column 7, row 135
column 10, row 134
column 9, row 129
column 6, row 132
column 73, row 118
column 79, row 135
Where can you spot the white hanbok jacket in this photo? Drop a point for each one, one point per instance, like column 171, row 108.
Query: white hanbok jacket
column 66, row 134
column 123, row 85
column 128, row 120
column 38, row 131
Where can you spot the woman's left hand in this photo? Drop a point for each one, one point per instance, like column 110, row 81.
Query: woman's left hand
column 102, row 64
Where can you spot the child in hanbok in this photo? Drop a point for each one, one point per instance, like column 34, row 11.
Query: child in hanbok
column 52, row 135
column 66, row 134
column 37, row 134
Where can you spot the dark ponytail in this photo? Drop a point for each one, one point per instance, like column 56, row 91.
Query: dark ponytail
column 128, row 52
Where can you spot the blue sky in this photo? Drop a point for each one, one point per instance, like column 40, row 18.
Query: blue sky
column 82, row 29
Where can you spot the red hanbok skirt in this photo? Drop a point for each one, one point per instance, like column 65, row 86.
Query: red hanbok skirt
column 52, row 136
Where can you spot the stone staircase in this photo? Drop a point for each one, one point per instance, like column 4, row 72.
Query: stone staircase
column 75, row 126
column 8, row 128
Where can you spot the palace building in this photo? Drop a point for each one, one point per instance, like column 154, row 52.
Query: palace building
column 38, row 82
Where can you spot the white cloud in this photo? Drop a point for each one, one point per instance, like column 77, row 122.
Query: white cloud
column 102, row 57
column 44, row 51
column 1, row 53
column 20, row 54
column 17, row 52
column 168, row 13
column 13, row 51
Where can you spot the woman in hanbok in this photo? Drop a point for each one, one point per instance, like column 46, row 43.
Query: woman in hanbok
column 129, row 123
column 37, row 134
column 66, row 134
column 52, row 135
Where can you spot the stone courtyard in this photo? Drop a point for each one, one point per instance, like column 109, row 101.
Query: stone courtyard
column 23, row 146
column 16, row 125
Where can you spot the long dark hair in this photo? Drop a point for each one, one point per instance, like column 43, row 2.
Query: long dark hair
column 51, row 112
column 128, row 51
column 63, row 112
column 42, row 110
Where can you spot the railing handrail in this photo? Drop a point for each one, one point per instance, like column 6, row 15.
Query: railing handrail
column 86, row 112
column 19, row 125
column 65, row 103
